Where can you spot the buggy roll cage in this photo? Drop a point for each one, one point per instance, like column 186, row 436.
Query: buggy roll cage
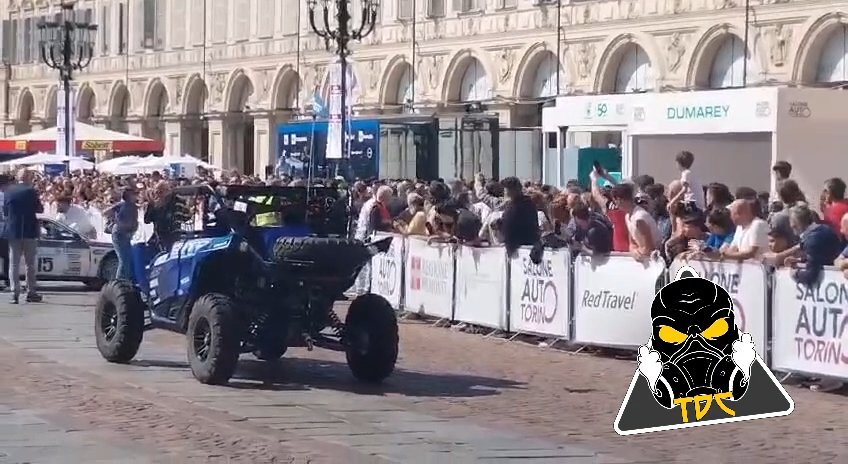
column 317, row 207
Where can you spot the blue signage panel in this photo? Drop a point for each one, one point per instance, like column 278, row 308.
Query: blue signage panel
column 55, row 170
column 304, row 142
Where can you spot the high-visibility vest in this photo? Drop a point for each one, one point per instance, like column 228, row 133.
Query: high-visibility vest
column 265, row 219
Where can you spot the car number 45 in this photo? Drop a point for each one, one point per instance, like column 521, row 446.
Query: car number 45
column 45, row 265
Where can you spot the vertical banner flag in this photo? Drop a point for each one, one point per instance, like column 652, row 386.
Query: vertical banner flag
column 63, row 114
column 335, row 132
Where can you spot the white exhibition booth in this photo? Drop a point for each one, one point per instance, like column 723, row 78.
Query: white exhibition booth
column 735, row 134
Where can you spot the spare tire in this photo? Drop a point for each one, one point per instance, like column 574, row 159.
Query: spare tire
column 330, row 257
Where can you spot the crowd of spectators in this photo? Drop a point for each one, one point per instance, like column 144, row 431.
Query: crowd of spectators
column 646, row 219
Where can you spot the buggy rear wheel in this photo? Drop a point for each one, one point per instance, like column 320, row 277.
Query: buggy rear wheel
column 213, row 339
column 371, row 338
column 119, row 321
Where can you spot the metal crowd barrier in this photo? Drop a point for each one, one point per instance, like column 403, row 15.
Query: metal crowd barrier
column 606, row 301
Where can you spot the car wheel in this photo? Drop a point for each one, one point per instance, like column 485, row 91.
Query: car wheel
column 371, row 338
column 213, row 338
column 106, row 272
column 119, row 321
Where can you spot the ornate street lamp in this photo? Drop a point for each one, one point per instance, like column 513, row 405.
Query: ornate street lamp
column 340, row 33
column 67, row 46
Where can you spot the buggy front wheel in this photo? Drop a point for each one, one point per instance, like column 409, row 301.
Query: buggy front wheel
column 119, row 321
column 371, row 338
column 213, row 339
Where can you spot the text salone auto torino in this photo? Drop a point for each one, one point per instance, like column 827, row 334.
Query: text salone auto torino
column 606, row 299
column 539, row 299
column 821, row 323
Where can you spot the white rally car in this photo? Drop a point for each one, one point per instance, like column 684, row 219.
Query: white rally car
column 64, row 255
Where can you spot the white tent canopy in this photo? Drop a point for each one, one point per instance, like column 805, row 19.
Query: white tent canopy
column 77, row 164
column 36, row 159
column 110, row 165
column 82, row 131
column 167, row 161
column 133, row 164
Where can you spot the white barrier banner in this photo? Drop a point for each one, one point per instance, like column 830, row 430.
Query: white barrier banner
column 386, row 270
column 746, row 284
column 481, row 286
column 429, row 278
column 539, row 298
column 809, row 324
column 612, row 300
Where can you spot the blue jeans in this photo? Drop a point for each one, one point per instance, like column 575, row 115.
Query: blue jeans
column 123, row 248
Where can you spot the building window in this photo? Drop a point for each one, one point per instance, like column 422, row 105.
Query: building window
column 197, row 23
column 290, row 21
column 104, row 25
column 153, row 24
column 266, row 14
column 241, row 22
column 27, row 42
column 178, row 24
column 219, row 20
column 122, row 28
column 436, row 9
column 8, row 41
column 404, row 9
column 467, row 6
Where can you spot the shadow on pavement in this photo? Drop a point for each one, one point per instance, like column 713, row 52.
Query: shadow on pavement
column 299, row 374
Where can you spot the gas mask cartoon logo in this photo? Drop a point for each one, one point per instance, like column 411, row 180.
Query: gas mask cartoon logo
column 697, row 368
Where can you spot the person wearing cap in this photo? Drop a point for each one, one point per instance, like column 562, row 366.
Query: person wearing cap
column 20, row 207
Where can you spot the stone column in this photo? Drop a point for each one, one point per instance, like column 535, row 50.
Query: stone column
column 173, row 139
column 135, row 128
column 216, row 143
column 263, row 144
column 36, row 125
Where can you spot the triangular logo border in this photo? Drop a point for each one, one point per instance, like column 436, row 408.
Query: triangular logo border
column 636, row 376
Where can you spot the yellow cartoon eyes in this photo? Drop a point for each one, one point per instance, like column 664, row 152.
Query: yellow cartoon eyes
column 719, row 328
column 669, row 335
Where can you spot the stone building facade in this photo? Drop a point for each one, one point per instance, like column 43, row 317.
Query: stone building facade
column 215, row 77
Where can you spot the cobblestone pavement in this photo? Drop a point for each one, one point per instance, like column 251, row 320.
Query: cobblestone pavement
column 456, row 397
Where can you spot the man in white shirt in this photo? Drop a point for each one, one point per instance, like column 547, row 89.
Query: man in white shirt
column 694, row 191
column 75, row 217
column 751, row 238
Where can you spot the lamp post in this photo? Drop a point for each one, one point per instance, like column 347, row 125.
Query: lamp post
column 340, row 33
column 67, row 46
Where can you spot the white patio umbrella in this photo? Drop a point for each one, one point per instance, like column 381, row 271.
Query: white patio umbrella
column 36, row 159
column 77, row 164
column 165, row 162
column 108, row 165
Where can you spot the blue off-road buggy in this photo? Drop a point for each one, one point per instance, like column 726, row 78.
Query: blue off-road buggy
column 245, row 269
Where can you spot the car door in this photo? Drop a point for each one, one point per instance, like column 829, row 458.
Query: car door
column 61, row 252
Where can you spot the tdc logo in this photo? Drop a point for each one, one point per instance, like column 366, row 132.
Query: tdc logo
column 698, row 368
